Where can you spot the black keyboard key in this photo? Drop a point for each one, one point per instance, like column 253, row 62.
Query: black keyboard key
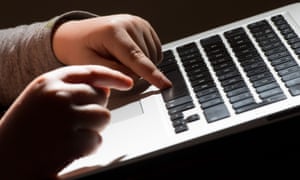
column 192, row 118
column 291, row 76
column 290, row 35
column 233, row 80
column 235, row 86
column 260, row 76
column 240, row 97
column 169, row 68
column 209, row 97
column 282, row 60
column 257, row 71
column 278, row 19
column 292, row 82
column 285, row 65
column 237, row 91
column 295, row 90
column 263, row 82
column 194, row 64
column 178, row 115
column 181, row 108
column 176, row 102
column 204, row 86
column 212, row 102
column 187, row 49
column 191, row 58
column 223, row 65
column 194, row 75
column 247, row 108
column 275, row 50
column 243, row 102
column 273, row 99
column 270, row 92
column 223, row 77
column 220, row 60
column 267, row 87
column 295, row 45
column 206, row 91
column 294, row 40
column 289, row 70
column 234, row 34
column 178, row 122
column 215, row 113
column 254, row 65
column 181, row 128
column 226, row 70
column 211, row 43
column 167, row 62
column 168, row 54
column 178, row 89
column 199, row 81
column 267, row 47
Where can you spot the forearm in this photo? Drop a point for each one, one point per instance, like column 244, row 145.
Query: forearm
column 26, row 52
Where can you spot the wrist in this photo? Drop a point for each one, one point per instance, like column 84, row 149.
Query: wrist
column 57, row 23
column 60, row 38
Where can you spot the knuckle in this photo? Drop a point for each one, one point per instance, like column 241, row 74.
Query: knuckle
column 52, row 91
column 133, row 21
column 135, row 18
column 137, row 54
column 111, row 26
column 106, row 116
column 103, row 119
column 40, row 82
column 44, row 86
column 100, row 119
column 129, row 17
column 120, row 19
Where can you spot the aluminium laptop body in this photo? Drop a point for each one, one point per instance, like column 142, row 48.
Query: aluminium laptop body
column 229, row 79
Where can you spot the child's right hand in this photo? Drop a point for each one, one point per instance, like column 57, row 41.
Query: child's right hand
column 56, row 120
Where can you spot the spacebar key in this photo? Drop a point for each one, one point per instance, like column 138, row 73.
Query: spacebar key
column 178, row 88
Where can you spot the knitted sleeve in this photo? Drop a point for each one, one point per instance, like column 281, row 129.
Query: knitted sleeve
column 26, row 52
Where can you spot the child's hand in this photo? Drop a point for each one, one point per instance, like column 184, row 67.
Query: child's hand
column 56, row 120
column 123, row 42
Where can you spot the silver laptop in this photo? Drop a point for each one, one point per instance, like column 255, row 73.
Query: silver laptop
column 227, row 80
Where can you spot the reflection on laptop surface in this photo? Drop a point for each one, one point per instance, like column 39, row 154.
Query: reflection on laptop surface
column 232, row 78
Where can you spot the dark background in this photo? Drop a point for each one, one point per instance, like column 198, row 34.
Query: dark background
column 266, row 152
column 172, row 19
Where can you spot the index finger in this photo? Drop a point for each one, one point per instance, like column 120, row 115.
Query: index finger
column 129, row 54
column 94, row 75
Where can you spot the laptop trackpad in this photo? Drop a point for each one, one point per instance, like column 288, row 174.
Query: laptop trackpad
column 126, row 112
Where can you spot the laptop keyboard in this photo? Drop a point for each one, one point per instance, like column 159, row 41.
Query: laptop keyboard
column 237, row 86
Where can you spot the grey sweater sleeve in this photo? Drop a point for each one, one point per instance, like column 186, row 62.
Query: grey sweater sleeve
column 26, row 52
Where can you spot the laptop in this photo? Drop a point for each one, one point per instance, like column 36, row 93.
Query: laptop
column 226, row 80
